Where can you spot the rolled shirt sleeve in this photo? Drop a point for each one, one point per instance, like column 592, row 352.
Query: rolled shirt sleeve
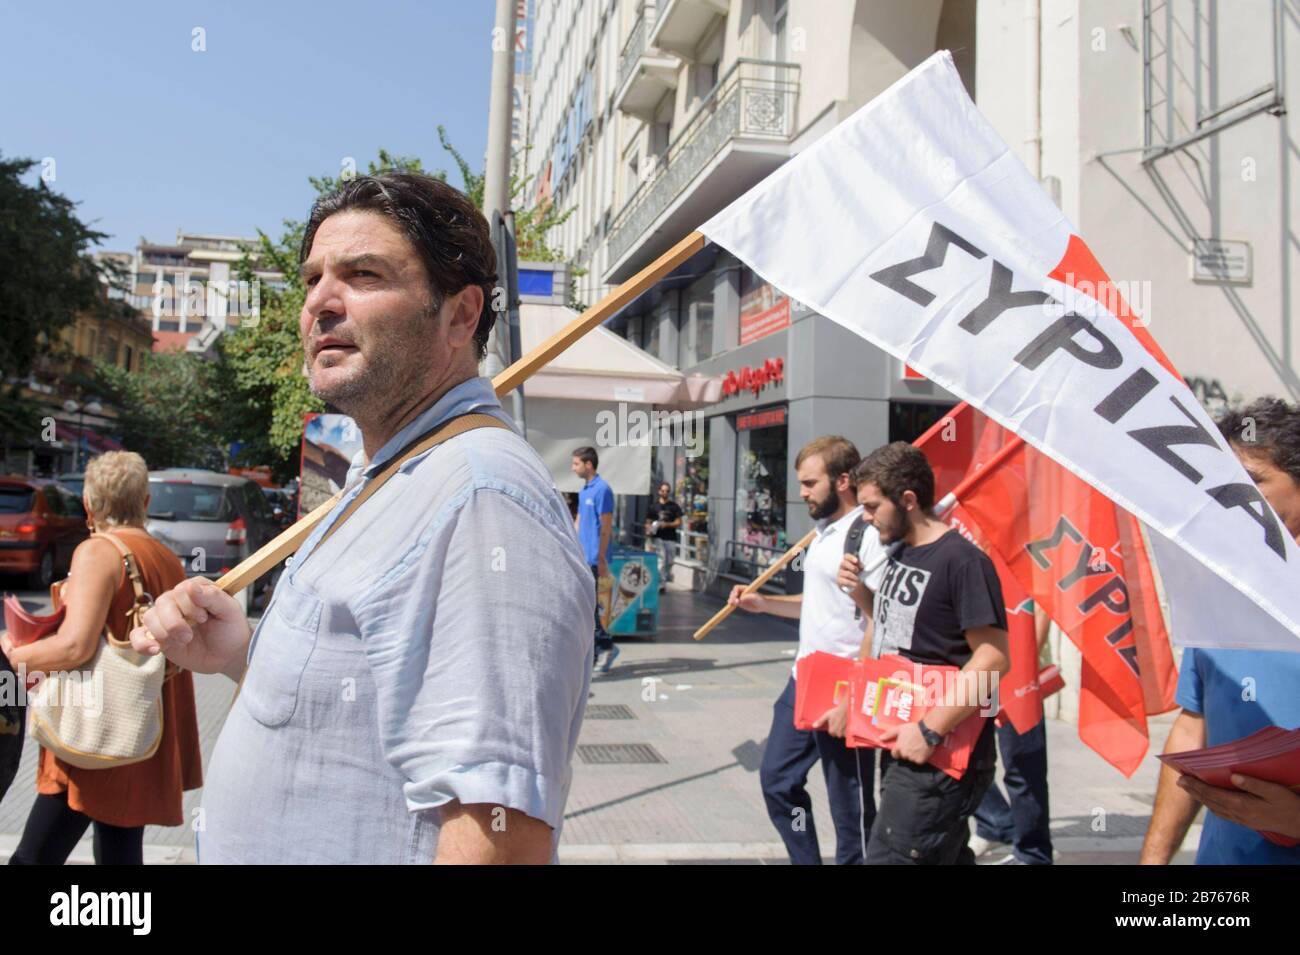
column 481, row 689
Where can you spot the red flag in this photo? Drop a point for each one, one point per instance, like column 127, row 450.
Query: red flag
column 1075, row 553
column 1021, row 700
column 957, row 448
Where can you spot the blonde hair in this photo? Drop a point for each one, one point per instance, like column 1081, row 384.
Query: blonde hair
column 117, row 488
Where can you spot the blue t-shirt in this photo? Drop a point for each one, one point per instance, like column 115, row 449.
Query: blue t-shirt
column 594, row 500
column 1239, row 692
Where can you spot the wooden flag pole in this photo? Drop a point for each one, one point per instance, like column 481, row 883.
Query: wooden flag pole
column 759, row 581
column 288, row 541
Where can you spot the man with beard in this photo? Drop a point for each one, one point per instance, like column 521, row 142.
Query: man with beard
column 829, row 622
column 415, row 689
column 938, row 603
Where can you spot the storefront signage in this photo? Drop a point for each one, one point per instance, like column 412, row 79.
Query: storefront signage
column 770, row 418
column 762, row 312
column 772, row 371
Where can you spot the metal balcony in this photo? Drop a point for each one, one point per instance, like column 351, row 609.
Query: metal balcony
column 644, row 73
column 739, row 134
column 681, row 24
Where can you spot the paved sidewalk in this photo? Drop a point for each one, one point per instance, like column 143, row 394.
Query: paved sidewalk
column 700, row 712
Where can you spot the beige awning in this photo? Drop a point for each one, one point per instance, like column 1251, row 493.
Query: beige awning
column 601, row 377
column 602, row 366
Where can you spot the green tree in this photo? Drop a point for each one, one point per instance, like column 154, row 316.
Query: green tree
column 531, row 225
column 48, row 277
column 166, row 409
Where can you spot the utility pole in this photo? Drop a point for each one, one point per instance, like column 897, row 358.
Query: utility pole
column 496, row 188
column 496, row 173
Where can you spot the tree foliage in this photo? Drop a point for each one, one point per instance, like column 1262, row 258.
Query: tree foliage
column 166, row 412
column 48, row 277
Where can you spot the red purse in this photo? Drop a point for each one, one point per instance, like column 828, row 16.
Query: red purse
column 27, row 627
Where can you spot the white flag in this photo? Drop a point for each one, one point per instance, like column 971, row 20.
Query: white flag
column 914, row 225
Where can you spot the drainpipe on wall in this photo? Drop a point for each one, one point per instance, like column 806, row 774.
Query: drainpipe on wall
column 1034, row 83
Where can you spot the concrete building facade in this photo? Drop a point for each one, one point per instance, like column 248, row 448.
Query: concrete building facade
column 648, row 118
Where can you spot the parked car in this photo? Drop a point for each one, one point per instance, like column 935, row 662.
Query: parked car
column 282, row 505
column 210, row 521
column 41, row 524
column 74, row 481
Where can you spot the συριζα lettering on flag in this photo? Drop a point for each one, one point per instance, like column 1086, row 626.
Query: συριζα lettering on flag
column 915, row 226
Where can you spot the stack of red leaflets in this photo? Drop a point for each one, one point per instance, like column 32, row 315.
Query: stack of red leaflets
column 1272, row 754
column 822, row 680
column 891, row 691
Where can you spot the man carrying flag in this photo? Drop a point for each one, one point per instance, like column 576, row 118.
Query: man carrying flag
column 939, row 603
column 828, row 622
column 415, row 689
column 1230, row 694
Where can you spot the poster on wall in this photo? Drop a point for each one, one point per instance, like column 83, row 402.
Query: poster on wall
column 329, row 442
column 763, row 310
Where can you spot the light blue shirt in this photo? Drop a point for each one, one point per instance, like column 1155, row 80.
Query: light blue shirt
column 437, row 648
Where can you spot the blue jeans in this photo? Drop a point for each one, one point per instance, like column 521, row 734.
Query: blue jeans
column 850, row 786
column 603, row 640
column 1025, row 822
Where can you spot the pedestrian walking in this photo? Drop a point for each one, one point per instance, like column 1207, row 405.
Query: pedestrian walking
column 120, row 800
column 938, row 603
column 595, row 523
column 663, row 523
column 415, row 689
column 829, row 622
column 1229, row 694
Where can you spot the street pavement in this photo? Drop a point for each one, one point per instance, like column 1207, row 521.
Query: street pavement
column 667, row 767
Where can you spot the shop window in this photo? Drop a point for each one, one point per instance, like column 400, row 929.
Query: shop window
column 695, row 338
column 762, row 456
column 908, row 420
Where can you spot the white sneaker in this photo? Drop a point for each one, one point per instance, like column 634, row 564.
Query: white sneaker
column 981, row 846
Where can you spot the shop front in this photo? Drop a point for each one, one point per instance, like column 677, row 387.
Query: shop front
column 788, row 375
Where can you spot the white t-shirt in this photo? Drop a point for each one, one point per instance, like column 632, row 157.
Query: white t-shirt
column 828, row 619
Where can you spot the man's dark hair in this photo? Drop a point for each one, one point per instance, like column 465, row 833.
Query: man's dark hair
column 588, row 456
column 448, row 232
column 895, row 468
column 1267, row 426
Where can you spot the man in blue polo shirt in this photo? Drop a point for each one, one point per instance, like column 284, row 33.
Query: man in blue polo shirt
column 595, row 522
column 1228, row 694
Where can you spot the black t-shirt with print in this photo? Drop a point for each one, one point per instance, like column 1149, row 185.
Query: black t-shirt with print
column 928, row 598
column 931, row 595
column 668, row 511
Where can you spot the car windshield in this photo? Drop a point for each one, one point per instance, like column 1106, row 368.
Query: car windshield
column 15, row 500
column 179, row 501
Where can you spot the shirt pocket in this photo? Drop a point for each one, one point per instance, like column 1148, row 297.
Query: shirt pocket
column 285, row 641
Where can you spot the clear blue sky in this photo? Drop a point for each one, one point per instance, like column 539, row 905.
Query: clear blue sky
column 150, row 136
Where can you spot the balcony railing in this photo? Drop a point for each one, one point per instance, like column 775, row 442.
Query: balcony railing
column 756, row 99
column 636, row 43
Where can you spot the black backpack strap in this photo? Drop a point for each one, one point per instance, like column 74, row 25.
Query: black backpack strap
column 853, row 545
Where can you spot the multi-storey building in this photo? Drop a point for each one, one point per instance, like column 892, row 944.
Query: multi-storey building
column 647, row 118
column 191, row 288
column 1160, row 128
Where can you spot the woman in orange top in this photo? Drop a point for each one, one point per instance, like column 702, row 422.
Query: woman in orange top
column 122, row 800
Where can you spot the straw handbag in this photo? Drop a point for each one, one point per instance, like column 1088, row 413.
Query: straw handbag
column 109, row 713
